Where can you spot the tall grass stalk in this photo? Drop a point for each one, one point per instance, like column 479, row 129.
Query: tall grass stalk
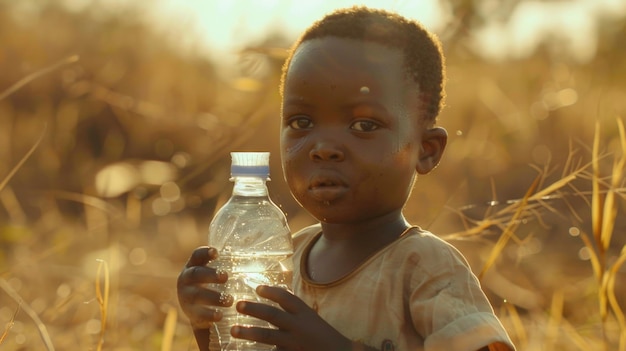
column 509, row 231
column 518, row 208
column 555, row 321
column 29, row 78
column 41, row 327
column 9, row 325
column 574, row 336
column 603, row 215
column 19, row 165
column 604, row 209
column 518, row 325
column 612, row 299
column 102, row 296
column 169, row 329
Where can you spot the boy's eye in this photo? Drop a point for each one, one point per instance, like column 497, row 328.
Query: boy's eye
column 364, row 126
column 300, row 123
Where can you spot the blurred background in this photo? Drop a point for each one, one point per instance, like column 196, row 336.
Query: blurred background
column 117, row 119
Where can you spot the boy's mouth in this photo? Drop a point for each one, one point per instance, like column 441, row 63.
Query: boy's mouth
column 326, row 180
column 327, row 188
column 321, row 183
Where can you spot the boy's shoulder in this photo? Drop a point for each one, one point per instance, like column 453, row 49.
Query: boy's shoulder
column 416, row 241
column 428, row 247
column 425, row 238
column 306, row 233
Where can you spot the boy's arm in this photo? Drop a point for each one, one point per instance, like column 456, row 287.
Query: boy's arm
column 298, row 326
column 195, row 299
column 202, row 338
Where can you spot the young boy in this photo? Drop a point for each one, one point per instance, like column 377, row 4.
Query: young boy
column 361, row 91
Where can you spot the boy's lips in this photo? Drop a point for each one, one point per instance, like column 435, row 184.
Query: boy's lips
column 327, row 187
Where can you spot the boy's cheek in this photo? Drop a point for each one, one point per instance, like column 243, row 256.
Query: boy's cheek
column 290, row 147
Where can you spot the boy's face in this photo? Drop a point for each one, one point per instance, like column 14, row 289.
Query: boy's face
column 351, row 136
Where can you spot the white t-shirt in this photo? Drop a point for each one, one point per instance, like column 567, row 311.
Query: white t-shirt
column 417, row 293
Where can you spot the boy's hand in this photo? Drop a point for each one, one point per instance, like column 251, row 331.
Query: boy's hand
column 299, row 327
column 194, row 297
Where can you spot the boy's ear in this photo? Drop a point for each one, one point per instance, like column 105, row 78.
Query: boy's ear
column 434, row 141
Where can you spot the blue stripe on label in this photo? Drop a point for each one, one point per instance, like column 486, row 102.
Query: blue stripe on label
column 250, row 170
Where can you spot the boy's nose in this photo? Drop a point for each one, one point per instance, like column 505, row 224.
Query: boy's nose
column 326, row 151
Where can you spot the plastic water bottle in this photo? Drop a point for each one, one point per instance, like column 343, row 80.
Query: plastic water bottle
column 254, row 243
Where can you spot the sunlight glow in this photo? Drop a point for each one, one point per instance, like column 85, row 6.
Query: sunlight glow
column 227, row 26
column 570, row 26
column 220, row 29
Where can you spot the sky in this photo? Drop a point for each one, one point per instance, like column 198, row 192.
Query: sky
column 227, row 26
column 573, row 23
column 223, row 27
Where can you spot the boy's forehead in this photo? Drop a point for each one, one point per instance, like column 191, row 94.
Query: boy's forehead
column 357, row 59
column 332, row 46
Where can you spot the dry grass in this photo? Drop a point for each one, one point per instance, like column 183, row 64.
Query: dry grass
column 8, row 326
column 556, row 332
column 549, row 234
column 604, row 212
column 102, row 296
column 22, row 305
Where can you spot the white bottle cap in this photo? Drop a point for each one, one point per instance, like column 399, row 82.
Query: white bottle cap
column 250, row 164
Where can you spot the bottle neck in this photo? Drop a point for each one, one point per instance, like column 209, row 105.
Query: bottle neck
column 249, row 186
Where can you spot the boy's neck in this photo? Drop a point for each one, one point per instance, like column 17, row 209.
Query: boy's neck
column 384, row 228
column 344, row 247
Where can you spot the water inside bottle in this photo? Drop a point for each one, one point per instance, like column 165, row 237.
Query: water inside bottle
column 246, row 273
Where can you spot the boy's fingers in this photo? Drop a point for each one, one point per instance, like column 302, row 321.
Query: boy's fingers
column 203, row 317
column 196, row 270
column 266, row 336
column 201, row 256
column 193, row 295
column 288, row 301
column 268, row 313
column 200, row 275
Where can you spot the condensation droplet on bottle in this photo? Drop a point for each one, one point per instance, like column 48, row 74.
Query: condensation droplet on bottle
column 364, row 90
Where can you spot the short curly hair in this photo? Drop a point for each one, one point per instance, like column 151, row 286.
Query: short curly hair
column 423, row 55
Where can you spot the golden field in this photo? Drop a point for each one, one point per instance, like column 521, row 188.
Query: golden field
column 114, row 154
